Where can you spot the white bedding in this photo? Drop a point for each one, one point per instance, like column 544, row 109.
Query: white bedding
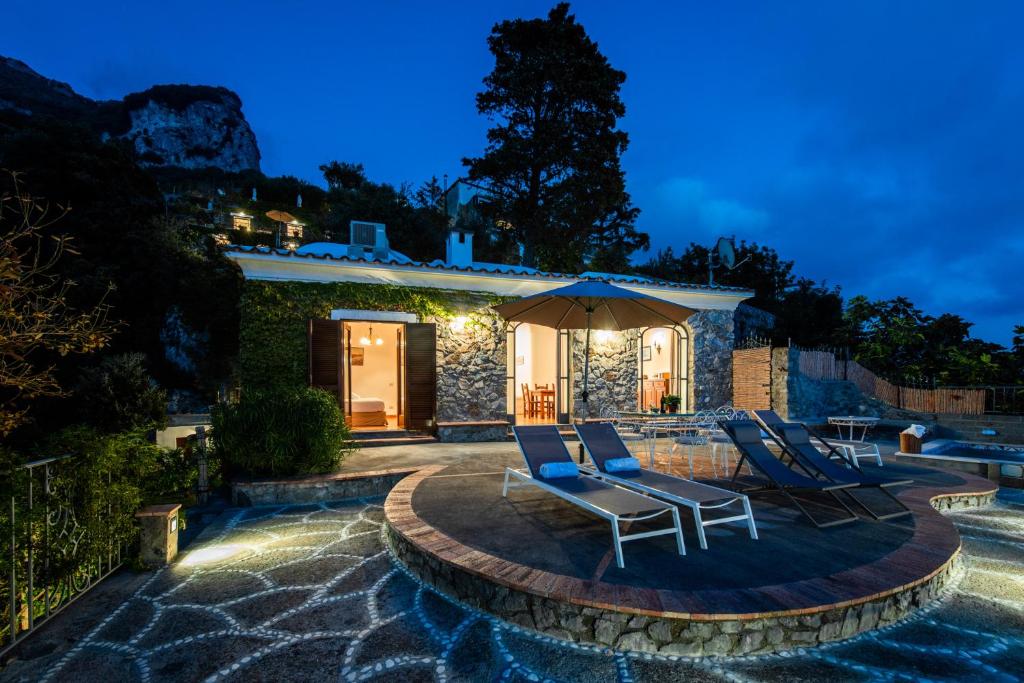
column 366, row 405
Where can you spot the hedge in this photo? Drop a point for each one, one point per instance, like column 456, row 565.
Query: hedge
column 272, row 336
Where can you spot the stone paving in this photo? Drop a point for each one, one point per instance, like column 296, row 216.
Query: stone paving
column 311, row 593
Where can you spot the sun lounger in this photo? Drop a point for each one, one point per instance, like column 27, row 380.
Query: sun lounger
column 852, row 450
column 797, row 442
column 603, row 444
column 542, row 445
column 774, row 475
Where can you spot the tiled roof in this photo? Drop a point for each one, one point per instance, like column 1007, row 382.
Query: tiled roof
column 491, row 268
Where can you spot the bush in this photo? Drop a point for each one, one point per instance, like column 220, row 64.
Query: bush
column 118, row 395
column 280, row 433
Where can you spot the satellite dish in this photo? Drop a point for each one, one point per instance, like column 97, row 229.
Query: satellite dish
column 726, row 252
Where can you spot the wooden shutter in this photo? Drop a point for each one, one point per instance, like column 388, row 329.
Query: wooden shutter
column 325, row 365
column 420, row 375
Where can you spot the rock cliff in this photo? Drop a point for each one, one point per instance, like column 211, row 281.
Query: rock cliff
column 185, row 126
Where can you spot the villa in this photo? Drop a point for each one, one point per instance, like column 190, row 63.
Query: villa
column 415, row 345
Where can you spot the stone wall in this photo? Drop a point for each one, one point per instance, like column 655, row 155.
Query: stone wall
column 472, row 367
column 710, row 359
column 1007, row 428
column 665, row 635
column 795, row 396
column 613, row 370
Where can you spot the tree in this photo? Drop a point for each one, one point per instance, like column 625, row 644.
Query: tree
column 35, row 317
column 342, row 175
column 759, row 269
column 553, row 154
column 415, row 226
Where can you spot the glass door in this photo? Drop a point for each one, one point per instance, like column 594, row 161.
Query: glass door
column 563, row 370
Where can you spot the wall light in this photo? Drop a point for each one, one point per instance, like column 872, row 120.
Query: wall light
column 603, row 336
column 459, row 324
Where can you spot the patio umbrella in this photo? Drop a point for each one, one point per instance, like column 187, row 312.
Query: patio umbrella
column 593, row 304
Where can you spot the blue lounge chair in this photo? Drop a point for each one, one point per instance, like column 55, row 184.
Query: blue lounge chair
column 605, row 448
column 797, row 442
column 775, row 475
column 551, row 469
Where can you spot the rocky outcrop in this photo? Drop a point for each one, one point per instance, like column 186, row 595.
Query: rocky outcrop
column 191, row 127
column 185, row 126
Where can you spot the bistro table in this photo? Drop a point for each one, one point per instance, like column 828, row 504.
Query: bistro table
column 648, row 424
column 853, row 421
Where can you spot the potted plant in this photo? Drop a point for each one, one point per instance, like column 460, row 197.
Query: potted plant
column 671, row 403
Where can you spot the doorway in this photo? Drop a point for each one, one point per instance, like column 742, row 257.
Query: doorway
column 374, row 391
column 534, row 374
column 663, row 367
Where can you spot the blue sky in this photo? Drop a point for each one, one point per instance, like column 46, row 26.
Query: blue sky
column 878, row 144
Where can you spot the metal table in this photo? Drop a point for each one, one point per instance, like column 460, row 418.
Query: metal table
column 853, row 421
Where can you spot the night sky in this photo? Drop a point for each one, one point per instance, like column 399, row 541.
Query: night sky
column 878, row 144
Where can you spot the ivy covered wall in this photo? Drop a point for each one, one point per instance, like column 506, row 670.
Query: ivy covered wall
column 272, row 337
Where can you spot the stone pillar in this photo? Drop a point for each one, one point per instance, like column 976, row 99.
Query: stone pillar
column 711, row 335
column 613, row 371
column 159, row 542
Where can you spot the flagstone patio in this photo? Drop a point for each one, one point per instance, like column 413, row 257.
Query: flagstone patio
column 302, row 593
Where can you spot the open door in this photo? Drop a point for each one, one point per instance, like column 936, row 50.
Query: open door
column 420, row 375
column 563, row 370
column 325, row 344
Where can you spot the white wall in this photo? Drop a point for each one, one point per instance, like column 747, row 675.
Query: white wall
column 537, row 346
column 378, row 376
column 664, row 361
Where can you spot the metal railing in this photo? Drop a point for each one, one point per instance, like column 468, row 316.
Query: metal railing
column 55, row 547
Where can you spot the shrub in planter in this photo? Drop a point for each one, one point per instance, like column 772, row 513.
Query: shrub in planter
column 277, row 433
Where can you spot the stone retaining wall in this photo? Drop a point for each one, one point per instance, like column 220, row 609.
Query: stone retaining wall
column 668, row 636
column 316, row 489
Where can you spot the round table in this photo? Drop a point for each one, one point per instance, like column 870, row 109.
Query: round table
column 853, row 421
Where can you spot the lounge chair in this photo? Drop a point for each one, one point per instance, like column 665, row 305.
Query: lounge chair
column 853, row 450
column 603, row 444
column 797, row 443
column 542, row 445
column 775, row 475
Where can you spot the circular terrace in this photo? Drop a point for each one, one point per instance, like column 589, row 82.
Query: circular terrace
column 534, row 560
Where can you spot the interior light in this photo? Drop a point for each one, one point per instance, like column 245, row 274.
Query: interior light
column 365, row 341
column 459, row 323
column 378, row 341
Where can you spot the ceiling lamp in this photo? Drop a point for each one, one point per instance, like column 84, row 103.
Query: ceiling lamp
column 367, row 341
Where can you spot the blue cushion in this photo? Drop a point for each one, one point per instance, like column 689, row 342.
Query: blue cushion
column 622, row 465
column 559, row 470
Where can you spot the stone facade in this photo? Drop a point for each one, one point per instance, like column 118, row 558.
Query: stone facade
column 613, row 371
column 472, row 369
column 664, row 635
column 710, row 359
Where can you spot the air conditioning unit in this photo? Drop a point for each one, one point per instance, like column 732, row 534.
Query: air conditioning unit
column 367, row 240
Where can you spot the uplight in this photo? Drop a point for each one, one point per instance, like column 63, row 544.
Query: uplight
column 215, row 553
column 459, row 324
column 603, row 336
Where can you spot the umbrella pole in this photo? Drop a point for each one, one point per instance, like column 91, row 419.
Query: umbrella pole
column 586, row 362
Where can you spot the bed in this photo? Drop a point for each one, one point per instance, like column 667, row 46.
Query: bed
column 366, row 412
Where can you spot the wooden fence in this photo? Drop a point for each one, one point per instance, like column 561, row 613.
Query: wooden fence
column 752, row 378
column 823, row 365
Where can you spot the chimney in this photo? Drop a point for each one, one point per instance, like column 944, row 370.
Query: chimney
column 458, row 250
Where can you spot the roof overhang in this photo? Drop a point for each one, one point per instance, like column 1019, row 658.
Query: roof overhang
column 285, row 267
